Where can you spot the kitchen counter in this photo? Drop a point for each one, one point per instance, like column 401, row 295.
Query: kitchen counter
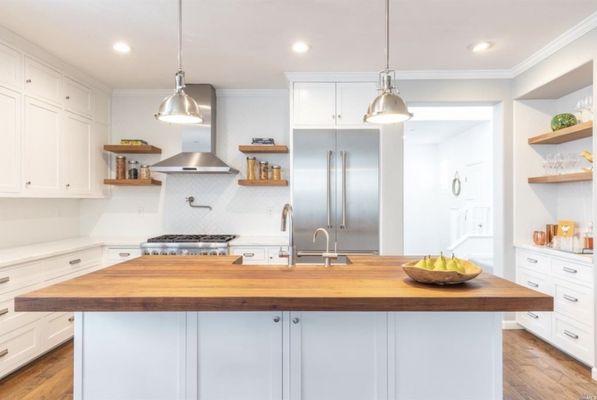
column 370, row 283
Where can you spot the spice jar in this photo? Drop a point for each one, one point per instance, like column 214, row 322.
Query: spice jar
column 120, row 167
column 263, row 170
column 133, row 169
column 144, row 172
column 276, row 173
column 251, row 162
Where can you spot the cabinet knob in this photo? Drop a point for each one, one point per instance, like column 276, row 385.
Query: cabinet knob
column 67, row 185
column 295, row 320
column 339, row 116
column 28, row 183
column 333, row 116
column 28, row 81
column 67, row 97
column 276, row 319
column 71, row 319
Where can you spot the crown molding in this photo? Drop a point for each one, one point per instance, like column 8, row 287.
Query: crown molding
column 401, row 75
column 577, row 31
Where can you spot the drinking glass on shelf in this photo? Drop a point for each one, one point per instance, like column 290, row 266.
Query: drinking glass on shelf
column 549, row 164
column 558, row 163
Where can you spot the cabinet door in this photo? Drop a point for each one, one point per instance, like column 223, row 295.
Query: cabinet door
column 100, row 160
column 77, row 97
column 101, row 108
column 338, row 355
column 353, row 99
column 239, row 356
column 10, row 67
column 76, row 154
column 10, row 137
column 314, row 104
column 41, row 147
column 42, row 81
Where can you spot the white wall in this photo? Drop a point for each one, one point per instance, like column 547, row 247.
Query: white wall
column 146, row 211
column 27, row 221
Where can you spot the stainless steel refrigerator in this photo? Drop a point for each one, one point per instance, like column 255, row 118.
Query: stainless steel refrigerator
column 336, row 186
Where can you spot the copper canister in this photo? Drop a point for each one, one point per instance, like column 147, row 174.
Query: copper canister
column 251, row 162
column 120, row 167
column 276, row 173
column 263, row 170
column 551, row 230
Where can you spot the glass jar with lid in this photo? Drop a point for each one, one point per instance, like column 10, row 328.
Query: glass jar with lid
column 133, row 171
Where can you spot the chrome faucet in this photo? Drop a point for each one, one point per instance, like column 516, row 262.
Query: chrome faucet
column 290, row 254
column 327, row 256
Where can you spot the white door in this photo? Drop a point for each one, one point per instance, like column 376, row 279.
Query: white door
column 76, row 154
column 353, row 99
column 239, row 356
column 100, row 160
column 314, row 104
column 41, row 147
column 11, row 67
column 42, row 81
column 10, row 138
column 338, row 355
column 77, row 97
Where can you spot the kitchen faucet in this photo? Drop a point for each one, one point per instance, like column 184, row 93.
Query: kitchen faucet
column 287, row 223
column 327, row 256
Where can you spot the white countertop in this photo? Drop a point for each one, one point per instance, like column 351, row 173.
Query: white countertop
column 584, row 258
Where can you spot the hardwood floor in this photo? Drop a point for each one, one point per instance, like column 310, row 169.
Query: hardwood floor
column 533, row 370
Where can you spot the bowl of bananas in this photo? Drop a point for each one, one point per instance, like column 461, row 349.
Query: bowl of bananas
column 441, row 270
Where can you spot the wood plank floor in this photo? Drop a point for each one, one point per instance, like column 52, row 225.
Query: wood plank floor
column 533, row 370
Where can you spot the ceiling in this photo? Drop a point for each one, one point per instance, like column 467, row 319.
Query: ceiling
column 246, row 43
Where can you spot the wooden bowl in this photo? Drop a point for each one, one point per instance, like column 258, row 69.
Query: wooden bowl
column 442, row 277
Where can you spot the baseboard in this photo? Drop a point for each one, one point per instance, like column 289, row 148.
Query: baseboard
column 510, row 325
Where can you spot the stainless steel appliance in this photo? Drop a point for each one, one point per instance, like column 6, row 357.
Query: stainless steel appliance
column 336, row 186
column 188, row 245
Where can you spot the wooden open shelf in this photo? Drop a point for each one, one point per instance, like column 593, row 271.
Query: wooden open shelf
column 132, row 182
column 575, row 177
column 132, row 149
column 580, row 131
column 263, row 148
column 255, row 182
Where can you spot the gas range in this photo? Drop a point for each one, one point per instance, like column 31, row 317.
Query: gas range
column 187, row 245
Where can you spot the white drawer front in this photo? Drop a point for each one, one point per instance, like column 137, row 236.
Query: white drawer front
column 57, row 328
column 11, row 320
column 19, row 276
column 115, row 255
column 532, row 261
column 573, row 272
column 536, row 321
column 251, row 255
column 534, row 280
column 73, row 262
column 574, row 338
column 574, row 301
column 18, row 347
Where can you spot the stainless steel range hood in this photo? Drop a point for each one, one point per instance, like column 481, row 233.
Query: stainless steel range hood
column 198, row 141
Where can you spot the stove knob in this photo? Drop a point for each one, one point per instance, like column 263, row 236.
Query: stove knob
column 203, row 253
column 146, row 253
column 164, row 253
column 222, row 253
column 173, row 252
column 213, row 253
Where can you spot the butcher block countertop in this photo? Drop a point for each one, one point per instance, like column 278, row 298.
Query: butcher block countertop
column 208, row 283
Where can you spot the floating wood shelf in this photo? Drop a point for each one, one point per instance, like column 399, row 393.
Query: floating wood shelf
column 575, row 177
column 246, row 182
column 263, row 148
column 132, row 182
column 575, row 132
column 132, row 149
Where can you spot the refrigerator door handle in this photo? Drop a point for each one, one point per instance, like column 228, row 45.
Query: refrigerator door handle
column 343, row 224
column 328, row 198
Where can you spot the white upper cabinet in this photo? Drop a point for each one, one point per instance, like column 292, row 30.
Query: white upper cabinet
column 41, row 147
column 77, row 97
column 10, row 138
column 42, row 81
column 75, row 155
column 11, row 67
column 352, row 101
column 101, row 107
column 314, row 104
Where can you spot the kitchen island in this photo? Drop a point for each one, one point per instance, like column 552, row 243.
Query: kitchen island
column 210, row 328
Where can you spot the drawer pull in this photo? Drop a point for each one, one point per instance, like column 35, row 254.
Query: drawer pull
column 6, row 279
column 4, row 311
column 3, row 353
column 532, row 284
column 75, row 261
column 124, row 254
column 533, row 315
column 248, row 254
column 570, row 270
column 570, row 298
column 532, row 260
column 71, row 319
column 570, row 334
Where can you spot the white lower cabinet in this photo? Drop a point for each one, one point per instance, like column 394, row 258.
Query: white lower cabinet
column 260, row 255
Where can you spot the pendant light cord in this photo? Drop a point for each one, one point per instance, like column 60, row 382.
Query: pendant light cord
column 387, row 35
column 180, row 35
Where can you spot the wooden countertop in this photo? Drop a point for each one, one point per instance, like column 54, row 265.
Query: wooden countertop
column 204, row 283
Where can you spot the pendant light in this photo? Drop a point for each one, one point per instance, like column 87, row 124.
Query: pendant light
column 388, row 107
column 179, row 108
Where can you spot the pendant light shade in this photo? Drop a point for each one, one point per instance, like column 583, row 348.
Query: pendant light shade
column 388, row 107
column 179, row 107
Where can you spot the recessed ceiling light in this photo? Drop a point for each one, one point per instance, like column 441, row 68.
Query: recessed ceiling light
column 480, row 47
column 121, row 47
column 300, row 47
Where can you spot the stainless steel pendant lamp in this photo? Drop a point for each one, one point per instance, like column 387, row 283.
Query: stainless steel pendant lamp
column 388, row 107
column 179, row 107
